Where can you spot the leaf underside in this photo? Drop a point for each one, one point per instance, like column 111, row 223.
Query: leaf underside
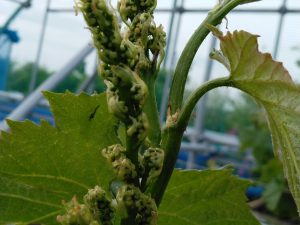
column 211, row 197
column 270, row 84
column 42, row 165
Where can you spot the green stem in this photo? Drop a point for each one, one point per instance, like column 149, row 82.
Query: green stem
column 214, row 17
column 150, row 108
column 171, row 143
column 128, row 221
column 132, row 147
column 171, row 139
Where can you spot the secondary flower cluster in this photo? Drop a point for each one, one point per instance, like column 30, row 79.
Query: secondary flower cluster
column 96, row 210
column 132, row 201
column 129, row 197
column 127, row 56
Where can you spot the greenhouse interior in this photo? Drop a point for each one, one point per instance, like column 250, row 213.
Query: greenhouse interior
column 247, row 126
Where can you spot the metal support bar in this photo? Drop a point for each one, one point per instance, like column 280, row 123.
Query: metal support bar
column 184, row 10
column 30, row 102
column 87, row 84
column 15, row 14
column 16, row 1
column 279, row 10
column 35, row 69
column 89, row 81
column 171, row 23
column 170, row 61
column 191, row 160
column 283, row 11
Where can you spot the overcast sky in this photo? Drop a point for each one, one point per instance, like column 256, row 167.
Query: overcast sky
column 66, row 34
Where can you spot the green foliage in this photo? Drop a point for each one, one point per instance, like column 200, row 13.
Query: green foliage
column 19, row 78
column 246, row 118
column 205, row 197
column 80, row 128
column 269, row 83
column 272, row 175
column 43, row 165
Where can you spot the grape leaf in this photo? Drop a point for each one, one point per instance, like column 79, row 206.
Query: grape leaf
column 205, row 198
column 42, row 165
column 270, row 84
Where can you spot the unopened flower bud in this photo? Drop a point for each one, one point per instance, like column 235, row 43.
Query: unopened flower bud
column 115, row 105
column 147, row 211
column 103, row 24
column 131, row 52
column 138, row 127
column 113, row 152
column 153, row 159
column 139, row 90
column 99, row 205
column 124, row 169
column 76, row 214
column 124, row 74
column 148, row 5
column 131, row 199
column 127, row 196
column 127, row 9
column 158, row 42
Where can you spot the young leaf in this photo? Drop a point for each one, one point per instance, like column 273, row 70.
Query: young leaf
column 270, row 84
column 41, row 165
column 205, row 197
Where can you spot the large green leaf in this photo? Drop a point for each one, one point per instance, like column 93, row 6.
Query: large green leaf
column 43, row 165
column 205, row 198
column 270, row 84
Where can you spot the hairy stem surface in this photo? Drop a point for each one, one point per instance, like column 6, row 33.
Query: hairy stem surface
column 150, row 108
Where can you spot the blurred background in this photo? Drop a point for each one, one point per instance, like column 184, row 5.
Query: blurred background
column 44, row 45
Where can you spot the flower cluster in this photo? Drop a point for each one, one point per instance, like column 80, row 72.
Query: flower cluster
column 124, row 168
column 129, row 9
column 131, row 199
column 99, row 205
column 120, row 60
column 152, row 162
column 129, row 55
column 96, row 210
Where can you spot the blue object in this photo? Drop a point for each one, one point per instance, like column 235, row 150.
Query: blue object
column 12, row 35
column 7, row 38
column 183, row 155
column 37, row 114
column 254, row 192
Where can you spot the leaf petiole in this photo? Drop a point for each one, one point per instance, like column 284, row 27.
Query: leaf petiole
column 189, row 106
